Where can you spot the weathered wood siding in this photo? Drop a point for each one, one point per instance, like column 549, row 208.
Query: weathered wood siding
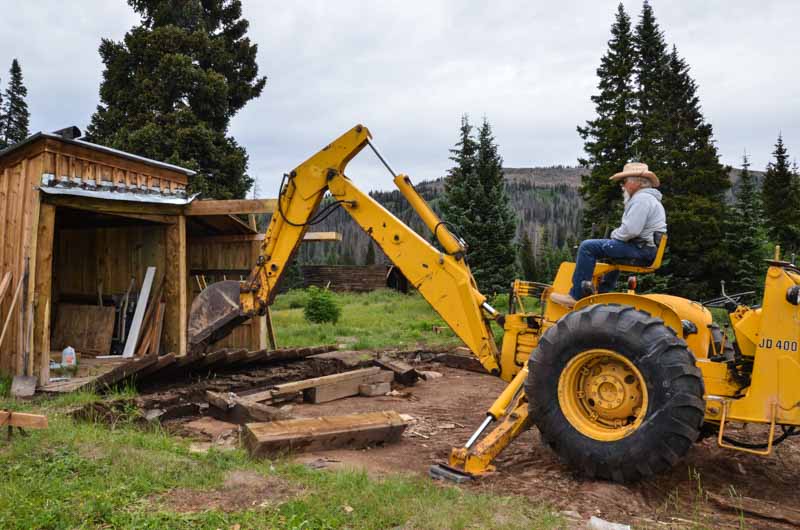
column 345, row 277
column 85, row 257
column 217, row 260
column 19, row 216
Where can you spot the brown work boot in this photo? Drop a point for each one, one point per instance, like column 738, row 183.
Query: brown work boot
column 563, row 299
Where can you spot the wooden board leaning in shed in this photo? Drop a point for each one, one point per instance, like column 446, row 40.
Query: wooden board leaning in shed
column 87, row 328
column 309, row 434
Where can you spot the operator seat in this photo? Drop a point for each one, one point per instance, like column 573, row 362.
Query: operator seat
column 634, row 265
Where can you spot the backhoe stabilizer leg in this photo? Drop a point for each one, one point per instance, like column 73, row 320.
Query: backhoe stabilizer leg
column 477, row 460
column 475, row 457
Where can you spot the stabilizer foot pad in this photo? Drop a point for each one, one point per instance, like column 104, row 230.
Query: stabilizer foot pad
column 445, row 472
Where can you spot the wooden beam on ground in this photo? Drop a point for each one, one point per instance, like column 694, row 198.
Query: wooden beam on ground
column 162, row 362
column 125, row 370
column 404, row 373
column 462, row 359
column 342, row 389
column 309, row 434
column 21, row 419
column 231, row 207
column 297, row 386
column 240, row 410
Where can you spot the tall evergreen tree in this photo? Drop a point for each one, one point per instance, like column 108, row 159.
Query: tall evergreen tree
column 477, row 207
column 650, row 70
column 781, row 198
column 745, row 235
column 666, row 130
column 608, row 139
column 527, row 259
column 172, row 86
column 694, row 183
column 15, row 114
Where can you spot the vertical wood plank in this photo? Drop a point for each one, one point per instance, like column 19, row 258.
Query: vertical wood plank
column 43, row 289
column 175, row 277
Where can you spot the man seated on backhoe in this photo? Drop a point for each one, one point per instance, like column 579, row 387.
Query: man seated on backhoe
column 633, row 240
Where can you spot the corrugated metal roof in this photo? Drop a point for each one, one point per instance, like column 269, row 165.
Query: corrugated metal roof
column 96, row 147
column 116, row 192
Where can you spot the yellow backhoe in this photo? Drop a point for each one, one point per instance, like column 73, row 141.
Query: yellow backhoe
column 620, row 386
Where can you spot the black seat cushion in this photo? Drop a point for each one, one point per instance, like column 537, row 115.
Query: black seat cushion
column 634, row 262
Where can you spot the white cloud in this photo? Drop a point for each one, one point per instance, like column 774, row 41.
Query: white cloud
column 409, row 70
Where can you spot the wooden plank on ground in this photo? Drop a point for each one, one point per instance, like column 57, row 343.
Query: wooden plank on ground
column 234, row 409
column 21, row 419
column 346, row 388
column 125, row 370
column 461, row 361
column 162, row 362
column 309, row 434
column 138, row 315
column 297, row 386
column 404, row 373
column 87, row 328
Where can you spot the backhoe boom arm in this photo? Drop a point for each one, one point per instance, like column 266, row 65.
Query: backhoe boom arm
column 442, row 277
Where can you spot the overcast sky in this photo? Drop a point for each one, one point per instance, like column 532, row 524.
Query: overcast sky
column 409, row 70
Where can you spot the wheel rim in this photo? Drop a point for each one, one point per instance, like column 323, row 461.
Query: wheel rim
column 602, row 394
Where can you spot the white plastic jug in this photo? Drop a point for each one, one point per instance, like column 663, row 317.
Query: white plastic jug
column 68, row 357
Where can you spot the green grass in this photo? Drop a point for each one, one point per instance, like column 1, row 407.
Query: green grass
column 83, row 475
column 379, row 319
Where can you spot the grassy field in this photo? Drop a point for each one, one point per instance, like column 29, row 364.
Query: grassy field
column 379, row 319
column 83, row 475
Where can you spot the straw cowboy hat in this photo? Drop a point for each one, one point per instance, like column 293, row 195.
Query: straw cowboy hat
column 637, row 169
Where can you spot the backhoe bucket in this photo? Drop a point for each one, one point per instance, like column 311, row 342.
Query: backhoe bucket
column 215, row 313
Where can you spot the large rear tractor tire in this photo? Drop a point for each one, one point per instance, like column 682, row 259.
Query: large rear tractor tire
column 615, row 393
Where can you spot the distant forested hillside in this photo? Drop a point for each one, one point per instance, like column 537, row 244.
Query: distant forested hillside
column 546, row 199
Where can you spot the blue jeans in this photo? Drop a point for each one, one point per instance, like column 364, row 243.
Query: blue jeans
column 593, row 249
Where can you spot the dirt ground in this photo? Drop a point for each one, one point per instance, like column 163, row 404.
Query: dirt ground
column 448, row 409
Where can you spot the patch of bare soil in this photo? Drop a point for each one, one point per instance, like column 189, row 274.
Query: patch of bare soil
column 448, row 409
column 242, row 490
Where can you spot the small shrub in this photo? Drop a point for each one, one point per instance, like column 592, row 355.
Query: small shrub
column 321, row 307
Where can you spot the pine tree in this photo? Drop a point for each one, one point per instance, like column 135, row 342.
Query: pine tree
column 666, row 130
column 476, row 206
column 608, row 139
column 745, row 235
column 650, row 70
column 172, row 86
column 781, row 198
column 15, row 114
column 694, row 183
column 527, row 259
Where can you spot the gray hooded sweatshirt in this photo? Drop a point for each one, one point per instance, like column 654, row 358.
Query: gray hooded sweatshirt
column 643, row 215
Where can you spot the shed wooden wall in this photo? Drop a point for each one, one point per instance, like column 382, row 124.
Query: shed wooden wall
column 19, row 215
column 216, row 258
column 85, row 257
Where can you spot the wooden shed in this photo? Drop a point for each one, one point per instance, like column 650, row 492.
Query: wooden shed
column 80, row 225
